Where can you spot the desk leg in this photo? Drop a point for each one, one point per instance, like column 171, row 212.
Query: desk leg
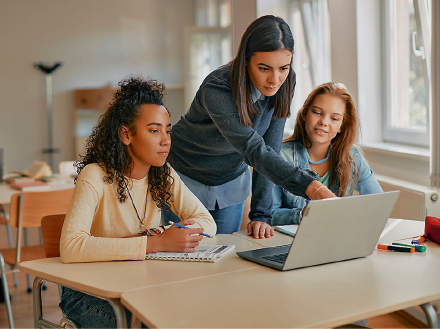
column 135, row 322
column 4, row 283
column 39, row 322
column 121, row 317
column 431, row 315
column 38, row 307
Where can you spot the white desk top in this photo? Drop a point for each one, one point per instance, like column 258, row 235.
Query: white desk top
column 398, row 229
column 57, row 184
column 395, row 229
column 320, row 296
column 110, row 279
column 277, row 240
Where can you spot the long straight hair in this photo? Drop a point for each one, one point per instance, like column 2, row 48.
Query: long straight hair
column 342, row 165
column 266, row 33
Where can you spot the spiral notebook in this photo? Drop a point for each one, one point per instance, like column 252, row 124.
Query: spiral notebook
column 202, row 253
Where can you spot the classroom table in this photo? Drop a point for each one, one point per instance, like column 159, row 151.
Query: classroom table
column 320, row 296
column 109, row 280
column 395, row 229
column 58, row 183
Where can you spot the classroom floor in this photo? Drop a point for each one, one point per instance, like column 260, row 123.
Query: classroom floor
column 22, row 308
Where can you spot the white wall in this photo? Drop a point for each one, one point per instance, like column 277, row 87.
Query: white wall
column 243, row 13
column 343, row 44
column 99, row 43
column 102, row 41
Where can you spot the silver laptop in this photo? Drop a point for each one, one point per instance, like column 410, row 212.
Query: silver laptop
column 331, row 230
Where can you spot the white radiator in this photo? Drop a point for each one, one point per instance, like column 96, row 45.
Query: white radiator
column 415, row 201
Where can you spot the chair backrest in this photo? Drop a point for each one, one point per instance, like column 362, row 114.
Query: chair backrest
column 51, row 227
column 33, row 206
column 66, row 168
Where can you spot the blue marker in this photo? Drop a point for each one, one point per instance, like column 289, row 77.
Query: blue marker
column 181, row 226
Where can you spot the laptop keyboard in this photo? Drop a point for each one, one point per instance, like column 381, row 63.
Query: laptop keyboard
column 278, row 258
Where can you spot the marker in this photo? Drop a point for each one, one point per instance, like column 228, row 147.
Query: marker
column 181, row 226
column 416, row 247
column 420, row 240
column 395, row 248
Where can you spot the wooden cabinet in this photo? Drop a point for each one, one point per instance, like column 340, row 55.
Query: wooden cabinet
column 89, row 105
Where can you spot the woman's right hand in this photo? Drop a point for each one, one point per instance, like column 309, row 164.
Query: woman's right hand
column 317, row 191
column 175, row 239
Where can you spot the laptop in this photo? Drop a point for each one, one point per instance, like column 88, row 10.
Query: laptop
column 331, row 230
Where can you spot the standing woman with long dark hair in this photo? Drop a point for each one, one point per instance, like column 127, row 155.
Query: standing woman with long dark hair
column 236, row 120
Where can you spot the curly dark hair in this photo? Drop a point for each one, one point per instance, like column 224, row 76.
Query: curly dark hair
column 105, row 148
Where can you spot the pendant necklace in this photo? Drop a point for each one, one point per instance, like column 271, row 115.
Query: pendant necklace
column 142, row 221
column 322, row 167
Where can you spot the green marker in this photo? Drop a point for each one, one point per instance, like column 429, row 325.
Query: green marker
column 419, row 248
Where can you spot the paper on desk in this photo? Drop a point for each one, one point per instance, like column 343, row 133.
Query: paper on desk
column 287, row 229
column 392, row 223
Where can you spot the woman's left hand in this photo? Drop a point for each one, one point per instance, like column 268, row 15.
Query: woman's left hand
column 260, row 230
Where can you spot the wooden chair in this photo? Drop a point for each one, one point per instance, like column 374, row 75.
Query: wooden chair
column 51, row 227
column 4, row 220
column 26, row 210
column 67, row 169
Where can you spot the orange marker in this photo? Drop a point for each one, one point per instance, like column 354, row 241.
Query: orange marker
column 396, row 248
column 420, row 240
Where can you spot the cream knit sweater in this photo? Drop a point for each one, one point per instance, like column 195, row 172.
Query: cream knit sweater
column 96, row 221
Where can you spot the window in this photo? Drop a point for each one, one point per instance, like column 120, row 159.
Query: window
column 407, row 62
column 208, row 44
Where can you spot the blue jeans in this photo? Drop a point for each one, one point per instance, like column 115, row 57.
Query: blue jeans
column 228, row 219
column 89, row 311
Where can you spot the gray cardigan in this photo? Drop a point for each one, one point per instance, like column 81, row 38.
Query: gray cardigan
column 211, row 145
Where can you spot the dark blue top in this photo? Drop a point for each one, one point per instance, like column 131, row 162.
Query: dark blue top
column 211, row 145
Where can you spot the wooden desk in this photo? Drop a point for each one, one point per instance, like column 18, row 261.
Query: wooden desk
column 109, row 280
column 320, row 296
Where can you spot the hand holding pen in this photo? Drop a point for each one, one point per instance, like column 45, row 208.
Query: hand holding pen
column 175, row 239
column 182, row 226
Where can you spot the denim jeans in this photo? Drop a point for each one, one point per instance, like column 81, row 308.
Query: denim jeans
column 89, row 311
column 228, row 219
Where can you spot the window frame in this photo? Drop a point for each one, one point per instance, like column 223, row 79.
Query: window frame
column 409, row 136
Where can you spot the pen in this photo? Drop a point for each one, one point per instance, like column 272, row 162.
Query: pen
column 416, row 247
column 181, row 226
column 395, row 248
column 420, row 240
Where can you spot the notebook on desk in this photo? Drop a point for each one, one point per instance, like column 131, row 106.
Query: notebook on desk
column 331, row 230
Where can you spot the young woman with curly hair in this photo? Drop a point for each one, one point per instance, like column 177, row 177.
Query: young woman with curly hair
column 122, row 186
column 323, row 145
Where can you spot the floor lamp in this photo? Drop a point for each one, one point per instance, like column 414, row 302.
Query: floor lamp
column 48, row 70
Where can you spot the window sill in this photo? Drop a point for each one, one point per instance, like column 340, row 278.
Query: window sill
column 398, row 150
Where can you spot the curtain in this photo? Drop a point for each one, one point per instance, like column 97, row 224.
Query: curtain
column 316, row 25
column 435, row 96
